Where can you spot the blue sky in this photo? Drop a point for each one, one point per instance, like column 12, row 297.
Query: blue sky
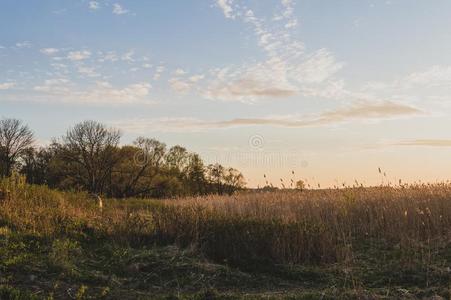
column 330, row 89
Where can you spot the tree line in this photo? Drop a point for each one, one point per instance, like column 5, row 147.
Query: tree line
column 90, row 157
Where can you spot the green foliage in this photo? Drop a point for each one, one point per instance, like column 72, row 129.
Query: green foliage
column 11, row 293
column 89, row 158
column 81, row 293
column 64, row 253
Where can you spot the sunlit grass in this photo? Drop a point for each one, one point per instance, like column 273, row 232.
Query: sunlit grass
column 351, row 230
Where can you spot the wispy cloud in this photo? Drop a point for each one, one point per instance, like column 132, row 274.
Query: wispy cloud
column 361, row 111
column 247, row 89
column 60, row 11
column 179, row 85
column 79, row 55
column 128, row 56
column 63, row 90
column 49, row 51
column 226, row 7
column 317, row 68
column 119, row 10
column 158, row 72
column 94, row 5
column 287, row 14
column 55, row 86
column 7, row 85
column 105, row 93
column 110, row 56
column 431, row 86
column 433, row 77
column 425, row 143
column 185, row 84
column 196, row 78
column 179, row 72
column 286, row 71
column 24, row 44
column 88, row 71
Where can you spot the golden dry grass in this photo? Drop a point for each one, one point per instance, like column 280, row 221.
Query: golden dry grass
column 353, row 238
column 289, row 227
column 310, row 226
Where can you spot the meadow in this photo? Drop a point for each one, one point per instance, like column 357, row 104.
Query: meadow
column 386, row 242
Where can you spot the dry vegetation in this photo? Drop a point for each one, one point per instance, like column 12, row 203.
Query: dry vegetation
column 384, row 242
column 310, row 226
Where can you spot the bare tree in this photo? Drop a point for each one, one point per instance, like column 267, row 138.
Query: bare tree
column 91, row 149
column 147, row 162
column 15, row 139
column 215, row 175
column 195, row 173
column 234, row 180
column 177, row 159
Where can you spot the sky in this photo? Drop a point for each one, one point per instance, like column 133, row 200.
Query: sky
column 328, row 90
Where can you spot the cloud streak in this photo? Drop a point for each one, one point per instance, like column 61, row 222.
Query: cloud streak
column 78, row 55
column 425, row 143
column 226, row 7
column 361, row 111
column 7, row 85
column 119, row 10
column 49, row 51
column 24, row 44
column 94, row 5
column 63, row 90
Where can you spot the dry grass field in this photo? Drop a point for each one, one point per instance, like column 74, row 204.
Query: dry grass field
column 361, row 243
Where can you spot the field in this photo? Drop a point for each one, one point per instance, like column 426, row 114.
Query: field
column 350, row 243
